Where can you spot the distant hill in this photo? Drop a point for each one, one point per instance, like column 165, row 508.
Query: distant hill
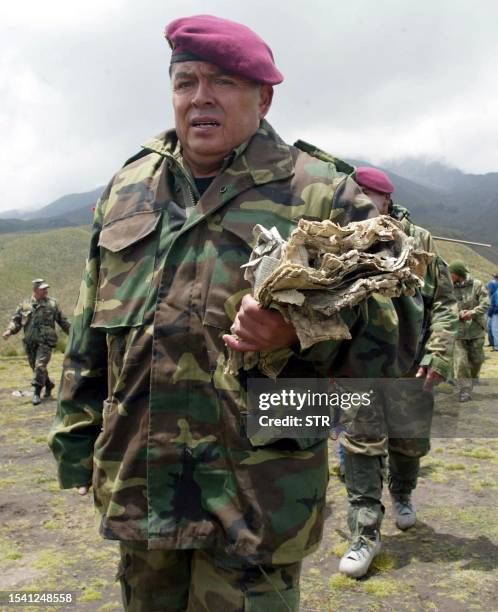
column 67, row 204
column 68, row 211
column 435, row 175
column 13, row 213
column 447, row 201
column 443, row 199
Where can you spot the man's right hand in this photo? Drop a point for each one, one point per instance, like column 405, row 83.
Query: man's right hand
column 6, row 334
column 83, row 490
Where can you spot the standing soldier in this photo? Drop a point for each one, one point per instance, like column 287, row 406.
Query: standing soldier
column 413, row 403
column 37, row 315
column 147, row 413
column 473, row 304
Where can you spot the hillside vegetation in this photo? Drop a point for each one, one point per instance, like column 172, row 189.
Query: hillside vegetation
column 59, row 255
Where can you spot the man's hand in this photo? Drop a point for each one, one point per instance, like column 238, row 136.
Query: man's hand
column 83, row 490
column 466, row 315
column 432, row 378
column 259, row 329
column 6, row 334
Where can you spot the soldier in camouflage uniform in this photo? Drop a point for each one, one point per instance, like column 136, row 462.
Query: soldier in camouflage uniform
column 37, row 316
column 412, row 402
column 473, row 303
column 147, row 413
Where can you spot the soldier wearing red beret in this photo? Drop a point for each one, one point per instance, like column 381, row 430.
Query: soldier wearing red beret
column 363, row 467
column 148, row 414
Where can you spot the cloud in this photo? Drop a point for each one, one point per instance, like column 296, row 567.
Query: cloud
column 85, row 83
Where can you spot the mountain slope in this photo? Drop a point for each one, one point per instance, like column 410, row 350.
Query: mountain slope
column 67, row 204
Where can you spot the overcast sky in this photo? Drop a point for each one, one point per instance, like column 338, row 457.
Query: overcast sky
column 84, row 82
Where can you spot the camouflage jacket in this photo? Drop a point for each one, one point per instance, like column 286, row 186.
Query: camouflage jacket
column 471, row 294
column 38, row 318
column 440, row 310
column 145, row 403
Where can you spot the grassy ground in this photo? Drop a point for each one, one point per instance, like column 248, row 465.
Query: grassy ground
column 448, row 561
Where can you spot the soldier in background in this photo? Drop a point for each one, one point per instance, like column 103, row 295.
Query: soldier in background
column 473, row 304
column 37, row 316
column 413, row 403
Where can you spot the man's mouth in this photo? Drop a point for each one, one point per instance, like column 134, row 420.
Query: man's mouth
column 205, row 124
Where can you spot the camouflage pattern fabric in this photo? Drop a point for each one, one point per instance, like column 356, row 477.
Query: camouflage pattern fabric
column 364, row 479
column 469, row 357
column 402, row 404
column 471, row 294
column 37, row 318
column 146, row 411
column 440, row 307
column 203, row 581
column 38, row 357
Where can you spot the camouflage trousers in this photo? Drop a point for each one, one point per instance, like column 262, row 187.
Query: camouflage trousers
column 406, row 409
column 468, row 359
column 38, row 357
column 203, row 581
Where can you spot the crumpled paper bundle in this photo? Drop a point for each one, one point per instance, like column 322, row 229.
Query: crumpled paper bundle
column 320, row 270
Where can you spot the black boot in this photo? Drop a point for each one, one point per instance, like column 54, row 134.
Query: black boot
column 36, row 395
column 49, row 385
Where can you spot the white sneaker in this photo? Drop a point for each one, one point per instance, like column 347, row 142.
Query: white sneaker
column 404, row 511
column 361, row 553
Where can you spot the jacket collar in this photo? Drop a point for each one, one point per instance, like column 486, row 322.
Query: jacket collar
column 261, row 159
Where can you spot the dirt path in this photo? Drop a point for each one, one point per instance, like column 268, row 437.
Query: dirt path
column 449, row 561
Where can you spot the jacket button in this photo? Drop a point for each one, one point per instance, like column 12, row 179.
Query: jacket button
column 223, row 189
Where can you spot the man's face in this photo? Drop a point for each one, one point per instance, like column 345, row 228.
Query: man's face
column 214, row 112
column 40, row 294
column 381, row 200
column 456, row 278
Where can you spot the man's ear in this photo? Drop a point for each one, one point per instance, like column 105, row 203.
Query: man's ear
column 266, row 97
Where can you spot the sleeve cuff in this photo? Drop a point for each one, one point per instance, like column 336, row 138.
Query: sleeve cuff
column 439, row 365
column 74, row 475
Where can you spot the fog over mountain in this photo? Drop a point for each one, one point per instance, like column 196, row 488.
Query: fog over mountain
column 85, row 83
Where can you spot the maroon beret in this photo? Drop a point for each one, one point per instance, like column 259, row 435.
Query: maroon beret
column 375, row 179
column 230, row 45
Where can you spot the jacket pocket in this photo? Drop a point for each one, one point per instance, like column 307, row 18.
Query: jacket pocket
column 264, row 438
column 128, row 248
column 109, row 414
column 224, row 284
column 25, row 315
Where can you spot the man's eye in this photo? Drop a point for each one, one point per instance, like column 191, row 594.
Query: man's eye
column 224, row 81
column 182, row 84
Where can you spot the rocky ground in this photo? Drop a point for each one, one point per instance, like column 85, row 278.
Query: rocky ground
column 448, row 561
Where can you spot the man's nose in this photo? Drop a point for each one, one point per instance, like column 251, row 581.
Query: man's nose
column 203, row 95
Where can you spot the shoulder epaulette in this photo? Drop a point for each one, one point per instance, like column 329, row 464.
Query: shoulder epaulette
column 340, row 164
column 400, row 212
